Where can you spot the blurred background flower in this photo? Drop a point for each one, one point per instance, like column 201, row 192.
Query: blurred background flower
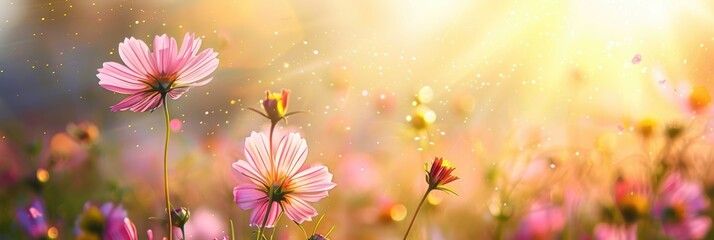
column 32, row 219
column 527, row 98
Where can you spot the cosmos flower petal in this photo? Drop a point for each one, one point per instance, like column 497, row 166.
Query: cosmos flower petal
column 291, row 154
column 134, row 53
column 121, row 230
column 310, row 196
column 298, row 210
column 178, row 92
column 247, row 196
column 120, row 87
column 164, row 53
column 604, row 231
column 118, row 78
column 189, row 48
column 248, row 171
column 257, row 154
column 699, row 227
column 149, row 103
column 313, row 179
column 198, row 67
column 140, row 102
column 256, row 217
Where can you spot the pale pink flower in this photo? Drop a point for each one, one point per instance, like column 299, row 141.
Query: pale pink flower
column 290, row 184
column 604, row 231
column 544, row 221
column 150, row 233
column 149, row 76
column 206, row 224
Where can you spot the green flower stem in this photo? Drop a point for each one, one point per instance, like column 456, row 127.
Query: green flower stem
column 499, row 230
column 233, row 233
column 265, row 219
column 417, row 212
column 270, row 142
column 275, row 229
column 166, row 167
column 270, row 189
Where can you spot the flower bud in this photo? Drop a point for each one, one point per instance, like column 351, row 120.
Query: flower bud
column 276, row 105
column 180, row 216
column 440, row 174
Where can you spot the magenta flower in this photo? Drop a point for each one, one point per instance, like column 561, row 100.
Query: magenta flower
column 284, row 181
column 679, row 207
column 149, row 76
column 107, row 221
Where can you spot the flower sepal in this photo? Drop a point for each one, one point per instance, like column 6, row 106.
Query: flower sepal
column 446, row 189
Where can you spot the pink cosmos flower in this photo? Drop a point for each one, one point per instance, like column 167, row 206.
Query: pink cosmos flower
column 149, row 76
column 679, row 207
column 284, row 179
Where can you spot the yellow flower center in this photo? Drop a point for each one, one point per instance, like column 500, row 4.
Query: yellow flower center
column 633, row 207
column 162, row 83
column 278, row 98
column 675, row 212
